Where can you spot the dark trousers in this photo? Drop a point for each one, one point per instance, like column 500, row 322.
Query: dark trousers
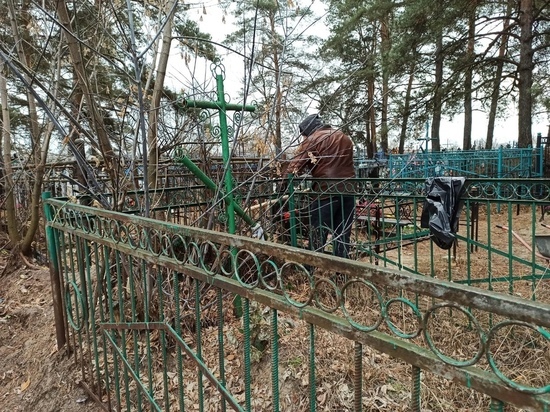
column 332, row 215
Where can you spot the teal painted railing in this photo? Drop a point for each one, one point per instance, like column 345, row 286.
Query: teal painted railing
column 499, row 163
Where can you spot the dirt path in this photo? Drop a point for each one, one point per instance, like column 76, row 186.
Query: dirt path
column 34, row 376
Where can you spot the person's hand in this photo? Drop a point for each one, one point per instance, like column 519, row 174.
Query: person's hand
column 258, row 232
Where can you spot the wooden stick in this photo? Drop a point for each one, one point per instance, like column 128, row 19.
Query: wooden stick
column 266, row 203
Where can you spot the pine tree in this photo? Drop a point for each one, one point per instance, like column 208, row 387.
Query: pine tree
column 271, row 36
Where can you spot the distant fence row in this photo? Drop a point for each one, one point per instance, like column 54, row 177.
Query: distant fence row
column 501, row 163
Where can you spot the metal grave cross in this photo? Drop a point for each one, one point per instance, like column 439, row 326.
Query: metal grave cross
column 223, row 107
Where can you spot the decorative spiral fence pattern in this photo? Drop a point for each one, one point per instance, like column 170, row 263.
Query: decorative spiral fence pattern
column 147, row 305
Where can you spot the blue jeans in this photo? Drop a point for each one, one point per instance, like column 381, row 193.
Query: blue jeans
column 332, row 215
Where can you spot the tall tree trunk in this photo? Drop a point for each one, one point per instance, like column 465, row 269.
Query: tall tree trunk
column 495, row 94
column 154, row 112
column 467, row 137
column 76, row 105
column 41, row 153
column 438, row 91
column 371, row 122
column 525, row 69
column 9, row 193
column 406, row 109
column 384, row 49
column 21, row 39
column 20, row 42
column 277, row 139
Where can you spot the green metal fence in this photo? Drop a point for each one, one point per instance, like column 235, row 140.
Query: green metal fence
column 500, row 163
column 501, row 225
column 161, row 316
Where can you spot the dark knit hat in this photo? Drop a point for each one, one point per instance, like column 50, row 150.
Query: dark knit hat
column 310, row 124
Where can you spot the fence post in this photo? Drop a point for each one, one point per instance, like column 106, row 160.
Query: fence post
column 358, row 378
column 275, row 359
column 292, row 210
column 51, row 240
column 415, row 390
column 312, row 385
column 540, row 162
column 499, row 174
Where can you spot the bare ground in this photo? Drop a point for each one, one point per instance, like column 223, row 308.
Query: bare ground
column 34, row 376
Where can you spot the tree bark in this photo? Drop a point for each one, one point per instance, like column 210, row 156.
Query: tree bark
column 525, row 70
column 384, row 49
column 406, row 110
column 11, row 219
column 154, row 113
column 495, row 94
column 371, row 120
column 96, row 119
column 278, row 142
column 468, row 80
column 20, row 40
column 438, row 90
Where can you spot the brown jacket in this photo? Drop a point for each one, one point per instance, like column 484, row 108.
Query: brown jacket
column 327, row 153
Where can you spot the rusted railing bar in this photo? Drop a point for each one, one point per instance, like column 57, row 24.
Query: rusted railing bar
column 475, row 298
column 97, row 400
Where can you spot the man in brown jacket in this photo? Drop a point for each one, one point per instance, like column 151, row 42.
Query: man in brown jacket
column 328, row 154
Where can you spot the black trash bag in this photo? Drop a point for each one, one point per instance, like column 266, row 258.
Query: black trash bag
column 441, row 209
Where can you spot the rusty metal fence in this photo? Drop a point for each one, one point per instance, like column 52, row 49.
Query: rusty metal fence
column 162, row 316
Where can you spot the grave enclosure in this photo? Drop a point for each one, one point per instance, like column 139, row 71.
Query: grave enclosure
column 184, row 310
column 164, row 315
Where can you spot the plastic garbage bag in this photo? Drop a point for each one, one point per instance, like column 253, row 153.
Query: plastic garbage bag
column 441, row 209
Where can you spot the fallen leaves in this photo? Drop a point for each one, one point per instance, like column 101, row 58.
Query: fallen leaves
column 25, row 385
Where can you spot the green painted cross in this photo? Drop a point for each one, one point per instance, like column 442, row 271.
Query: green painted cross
column 222, row 107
